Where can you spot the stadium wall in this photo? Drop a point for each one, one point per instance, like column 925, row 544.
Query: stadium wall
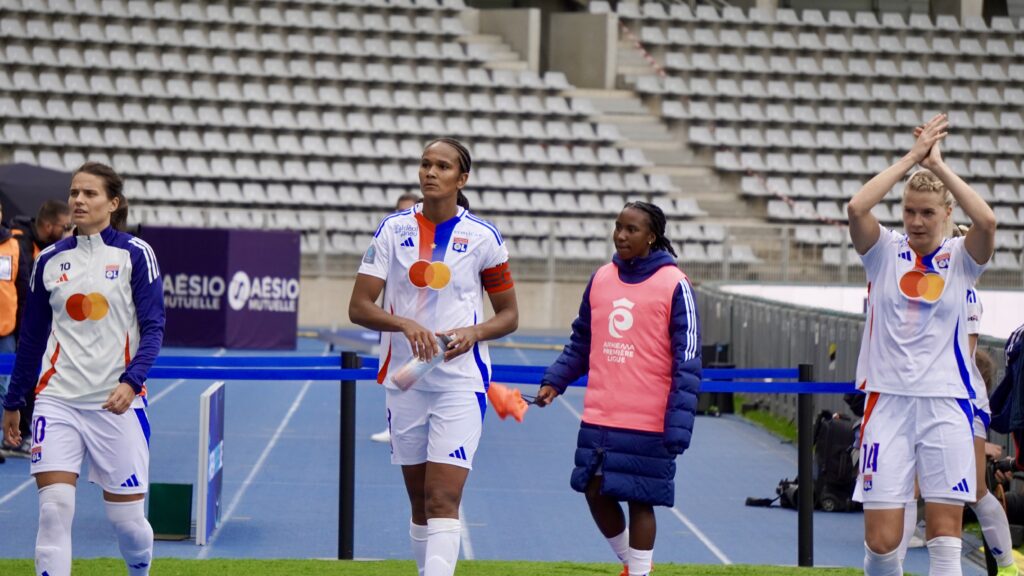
column 324, row 303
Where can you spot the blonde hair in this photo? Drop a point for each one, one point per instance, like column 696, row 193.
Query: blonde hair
column 925, row 180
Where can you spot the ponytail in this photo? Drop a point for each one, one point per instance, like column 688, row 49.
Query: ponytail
column 462, row 200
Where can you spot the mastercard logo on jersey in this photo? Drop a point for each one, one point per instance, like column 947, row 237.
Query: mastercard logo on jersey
column 82, row 307
column 922, row 285
column 427, row 274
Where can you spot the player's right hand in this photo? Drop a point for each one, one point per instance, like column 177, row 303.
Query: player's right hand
column 11, row 427
column 546, row 396
column 422, row 341
column 933, row 131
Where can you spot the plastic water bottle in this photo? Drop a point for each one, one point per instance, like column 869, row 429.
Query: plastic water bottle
column 415, row 368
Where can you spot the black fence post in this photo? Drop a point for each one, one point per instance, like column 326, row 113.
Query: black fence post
column 347, row 463
column 805, row 472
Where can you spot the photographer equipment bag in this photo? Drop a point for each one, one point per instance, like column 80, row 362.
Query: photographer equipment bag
column 835, row 472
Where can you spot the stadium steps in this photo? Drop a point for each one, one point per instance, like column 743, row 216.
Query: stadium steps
column 499, row 54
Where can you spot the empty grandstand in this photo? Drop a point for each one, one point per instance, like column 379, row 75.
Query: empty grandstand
column 751, row 126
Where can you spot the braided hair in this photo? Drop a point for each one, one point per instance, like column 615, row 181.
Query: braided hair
column 656, row 221
column 465, row 163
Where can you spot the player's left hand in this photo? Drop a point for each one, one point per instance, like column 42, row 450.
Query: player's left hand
column 120, row 399
column 463, row 340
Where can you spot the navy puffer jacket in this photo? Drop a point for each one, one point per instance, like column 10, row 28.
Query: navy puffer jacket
column 637, row 465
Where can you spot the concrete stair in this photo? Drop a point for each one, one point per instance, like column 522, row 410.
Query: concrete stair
column 500, row 55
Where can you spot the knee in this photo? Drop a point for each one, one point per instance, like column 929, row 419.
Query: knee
column 56, row 509
column 881, row 542
column 52, row 519
column 130, row 524
column 441, row 502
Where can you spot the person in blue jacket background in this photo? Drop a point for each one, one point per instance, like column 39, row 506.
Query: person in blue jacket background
column 637, row 337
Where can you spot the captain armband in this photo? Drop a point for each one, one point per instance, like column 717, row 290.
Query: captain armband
column 497, row 279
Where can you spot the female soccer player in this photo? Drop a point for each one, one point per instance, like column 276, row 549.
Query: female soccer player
column 437, row 259
column 913, row 357
column 637, row 336
column 95, row 306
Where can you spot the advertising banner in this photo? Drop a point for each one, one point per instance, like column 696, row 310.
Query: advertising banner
column 228, row 288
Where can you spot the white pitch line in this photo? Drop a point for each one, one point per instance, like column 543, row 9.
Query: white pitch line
column 167, row 390
column 569, row 407
column 7, row 497
column 686, row 521
column 467, row 543
column 701, row 536
column 255, row 470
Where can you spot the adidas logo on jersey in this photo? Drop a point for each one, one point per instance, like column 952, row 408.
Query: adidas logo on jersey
column 408, row 243
column 962, row 486
column 906, row 256
column 132, row 482
column 63, row 278
column 459, row 454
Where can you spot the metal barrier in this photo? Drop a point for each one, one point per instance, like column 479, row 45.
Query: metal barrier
column 354, row 368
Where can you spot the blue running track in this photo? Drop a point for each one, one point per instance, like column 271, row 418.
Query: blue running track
column 281, row 483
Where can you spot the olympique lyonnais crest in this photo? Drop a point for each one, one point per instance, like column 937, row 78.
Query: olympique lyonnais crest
column 112, row 271
column 460, row 244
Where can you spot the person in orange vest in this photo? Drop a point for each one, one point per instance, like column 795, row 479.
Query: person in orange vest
column 13, row 279
column 52, row 222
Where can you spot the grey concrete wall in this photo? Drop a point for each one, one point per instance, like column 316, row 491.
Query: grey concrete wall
column 584, row 47
column 519, row 28
column 967, row 8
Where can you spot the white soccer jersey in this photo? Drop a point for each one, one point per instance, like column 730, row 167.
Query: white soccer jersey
column 915, row 334
column 94, row 318
column 436, row 275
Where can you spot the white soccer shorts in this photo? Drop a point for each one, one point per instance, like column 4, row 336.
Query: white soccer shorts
column 904, row 435
column 115, row 446
column 441, row 427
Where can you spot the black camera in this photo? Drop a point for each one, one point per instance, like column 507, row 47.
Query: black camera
column 1004, row 465
column 787, row 493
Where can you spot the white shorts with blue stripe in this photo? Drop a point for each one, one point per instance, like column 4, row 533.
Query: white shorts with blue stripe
column 115, row 446
column 442, row 427
column 904, row 437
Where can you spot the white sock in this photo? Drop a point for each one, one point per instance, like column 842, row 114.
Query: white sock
column 53, row 541
column 418, row 536
column 876, row 564
column 640, row 562
column 909, row 526
column 134, row 534
column 620, row 545
column 995, row 527
column 944, row 556
column 443, row 540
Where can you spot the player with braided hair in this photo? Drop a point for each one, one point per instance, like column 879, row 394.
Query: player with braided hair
column 637, row 337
